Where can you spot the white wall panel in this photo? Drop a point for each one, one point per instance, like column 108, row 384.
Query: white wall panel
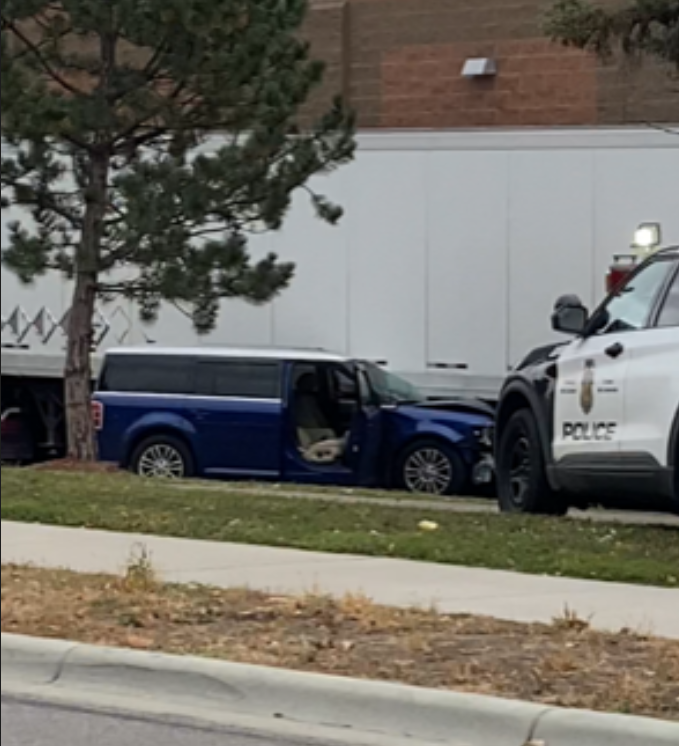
column 453, row 248
column 551, row 240
column 386, row 231
column 314, row 311
column 633, row 186
column 467, row 245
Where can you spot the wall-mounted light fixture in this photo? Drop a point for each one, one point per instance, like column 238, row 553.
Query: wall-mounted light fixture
column 479, row 67
column 647, row 238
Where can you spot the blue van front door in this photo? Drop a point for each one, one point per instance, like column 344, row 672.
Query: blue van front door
column 332, row 437
column 368, row 464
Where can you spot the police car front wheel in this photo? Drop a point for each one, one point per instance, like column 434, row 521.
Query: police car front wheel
column 521, row 474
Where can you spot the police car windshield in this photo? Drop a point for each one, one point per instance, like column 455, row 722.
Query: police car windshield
column 631, row 307
column 669, row 315
column 392, row 389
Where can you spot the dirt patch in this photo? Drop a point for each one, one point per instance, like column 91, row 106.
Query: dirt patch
column 566, row 664
column 72, row 465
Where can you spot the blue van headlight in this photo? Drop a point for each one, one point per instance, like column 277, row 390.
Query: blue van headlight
column 484, row 436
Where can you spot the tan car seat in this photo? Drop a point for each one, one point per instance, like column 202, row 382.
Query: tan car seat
column 318, row 442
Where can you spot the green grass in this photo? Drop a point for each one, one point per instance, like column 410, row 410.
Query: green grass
column 645, row 555
column 313, row 490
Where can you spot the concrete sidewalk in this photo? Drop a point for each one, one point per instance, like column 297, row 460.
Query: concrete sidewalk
column 502, row 595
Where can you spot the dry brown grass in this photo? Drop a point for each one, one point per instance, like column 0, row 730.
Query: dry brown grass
column 565, row 664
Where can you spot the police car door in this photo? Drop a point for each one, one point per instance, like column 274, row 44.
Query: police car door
column 592, row 372
column 652, row 387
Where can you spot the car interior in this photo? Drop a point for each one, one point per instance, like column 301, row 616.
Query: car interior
column 324, row 404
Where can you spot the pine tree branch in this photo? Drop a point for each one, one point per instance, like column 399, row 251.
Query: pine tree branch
column 26, row 51
column 125, row 143
column 36, row 52
column 158, row 85
column 640, row 27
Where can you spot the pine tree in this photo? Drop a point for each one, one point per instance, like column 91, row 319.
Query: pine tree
column 107, row 108
column 636, row 27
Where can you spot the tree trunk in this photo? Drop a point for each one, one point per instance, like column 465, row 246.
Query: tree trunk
column 81, row 437
column 78, row 374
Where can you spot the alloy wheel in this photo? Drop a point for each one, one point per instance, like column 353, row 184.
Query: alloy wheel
column 162, row 462
column 428, row 471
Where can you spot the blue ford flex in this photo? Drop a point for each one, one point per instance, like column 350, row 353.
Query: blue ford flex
column 292, row 416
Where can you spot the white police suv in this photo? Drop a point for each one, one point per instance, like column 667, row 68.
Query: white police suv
column 596, row 419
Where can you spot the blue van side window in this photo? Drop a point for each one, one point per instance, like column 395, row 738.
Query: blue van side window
column 239, row 379
column 148, row 374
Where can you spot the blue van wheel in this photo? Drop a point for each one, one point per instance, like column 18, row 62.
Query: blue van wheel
column 162, row 457
column 432, row 468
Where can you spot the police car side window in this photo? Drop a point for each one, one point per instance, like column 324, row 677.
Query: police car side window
column 630, row 309
column 669, row 316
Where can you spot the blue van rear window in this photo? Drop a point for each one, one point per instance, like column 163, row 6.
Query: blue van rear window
column 178, row 375
column 148, row 374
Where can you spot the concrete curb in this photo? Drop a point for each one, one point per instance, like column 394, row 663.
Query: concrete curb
column 272, row 694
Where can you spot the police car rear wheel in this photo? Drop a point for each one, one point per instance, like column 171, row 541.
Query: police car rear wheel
column 521, row 475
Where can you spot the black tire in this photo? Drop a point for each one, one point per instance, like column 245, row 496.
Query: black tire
column 452, row 475
column 521, row 474
column 158, row 444
column 674, row 506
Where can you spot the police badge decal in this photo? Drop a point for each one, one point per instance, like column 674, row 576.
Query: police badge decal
column 587, row 388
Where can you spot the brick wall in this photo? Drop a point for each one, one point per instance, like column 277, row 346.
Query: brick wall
column 399, row 63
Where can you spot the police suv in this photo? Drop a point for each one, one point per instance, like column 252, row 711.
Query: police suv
column 596, row 419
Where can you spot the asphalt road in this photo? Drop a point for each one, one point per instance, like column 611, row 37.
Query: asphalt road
column 29, row 723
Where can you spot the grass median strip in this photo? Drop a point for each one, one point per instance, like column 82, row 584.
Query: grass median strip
column 565, row 664
column 118, row 502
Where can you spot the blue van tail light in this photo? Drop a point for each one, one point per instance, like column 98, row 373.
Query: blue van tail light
column 98, row 415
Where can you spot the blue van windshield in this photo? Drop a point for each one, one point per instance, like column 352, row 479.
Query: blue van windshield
column 392, row 389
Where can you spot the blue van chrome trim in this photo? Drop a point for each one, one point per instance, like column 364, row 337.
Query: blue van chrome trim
column 181, row 397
